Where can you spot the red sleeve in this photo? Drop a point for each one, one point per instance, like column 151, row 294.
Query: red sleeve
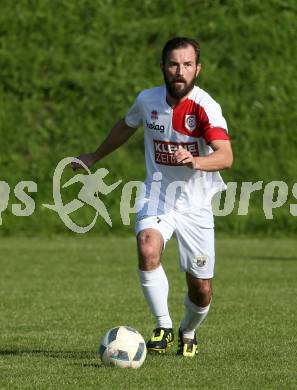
column 214, row 133
column 211, row 131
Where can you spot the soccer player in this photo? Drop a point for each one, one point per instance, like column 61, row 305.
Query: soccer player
column 186, row 144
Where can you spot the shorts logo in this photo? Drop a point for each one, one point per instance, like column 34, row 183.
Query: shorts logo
column 190, row 122
column 164, row 151
column 201, row 260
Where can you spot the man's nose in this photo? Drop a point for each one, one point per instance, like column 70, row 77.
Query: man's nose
column 179, row 70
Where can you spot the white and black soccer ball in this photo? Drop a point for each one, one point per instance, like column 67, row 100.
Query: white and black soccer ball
column 123, row 347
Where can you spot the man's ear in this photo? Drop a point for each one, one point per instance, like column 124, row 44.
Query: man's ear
column 198, row 69
column 162, row 66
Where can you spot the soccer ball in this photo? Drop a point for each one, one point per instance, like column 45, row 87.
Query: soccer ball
column 123, row 347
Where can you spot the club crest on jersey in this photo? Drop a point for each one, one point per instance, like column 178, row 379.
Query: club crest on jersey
column 154, row 115
column 190, row 122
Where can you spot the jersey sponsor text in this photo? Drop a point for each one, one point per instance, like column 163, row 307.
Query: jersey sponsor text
column 155, row 126
column 164, row 151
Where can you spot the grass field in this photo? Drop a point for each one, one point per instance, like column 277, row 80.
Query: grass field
column 58, row 297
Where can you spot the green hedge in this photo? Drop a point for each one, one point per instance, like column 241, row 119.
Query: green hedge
column 69, row 69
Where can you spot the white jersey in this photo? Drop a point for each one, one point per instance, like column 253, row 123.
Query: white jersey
column 193, row 123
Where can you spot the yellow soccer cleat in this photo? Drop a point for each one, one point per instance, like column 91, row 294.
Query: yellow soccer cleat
column 186, row 347
column 161, row 339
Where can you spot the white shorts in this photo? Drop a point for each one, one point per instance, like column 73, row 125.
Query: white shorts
column 195, row 243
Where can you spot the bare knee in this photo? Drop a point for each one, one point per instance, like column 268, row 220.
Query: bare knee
column 150, row 244
column 199, row 290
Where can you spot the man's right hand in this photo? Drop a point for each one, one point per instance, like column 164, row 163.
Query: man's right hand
column 88, row 159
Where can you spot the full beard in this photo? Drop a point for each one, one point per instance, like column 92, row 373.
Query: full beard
column 174, row 91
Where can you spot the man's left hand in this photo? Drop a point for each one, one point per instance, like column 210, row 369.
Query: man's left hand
column 184, row 157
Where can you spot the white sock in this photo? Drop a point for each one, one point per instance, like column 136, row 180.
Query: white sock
column 194, row 315
column 155, row 289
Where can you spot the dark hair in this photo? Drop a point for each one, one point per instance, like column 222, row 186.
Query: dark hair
column 178, row 42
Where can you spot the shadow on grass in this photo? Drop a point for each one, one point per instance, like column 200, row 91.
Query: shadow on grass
column 75, row 355
column 49, row 354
